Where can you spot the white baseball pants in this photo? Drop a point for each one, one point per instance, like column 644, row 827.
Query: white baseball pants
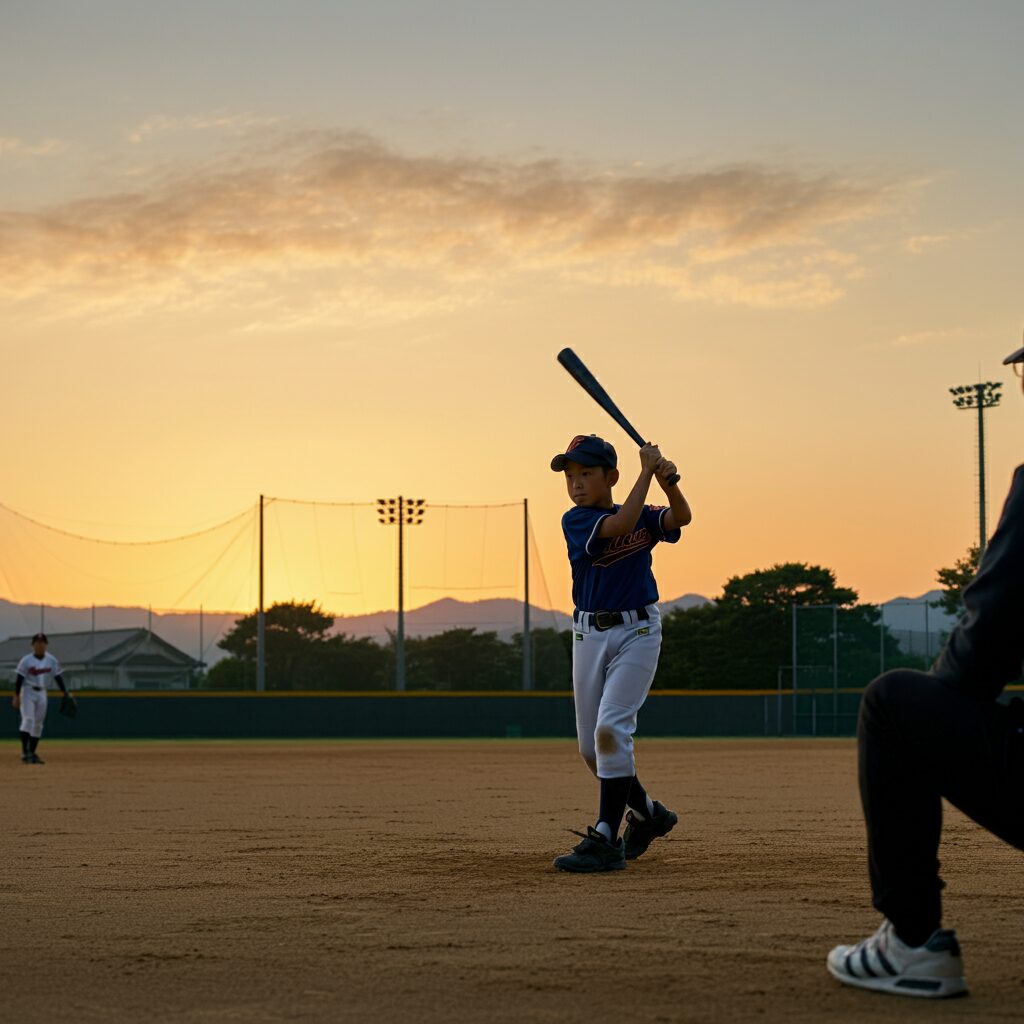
column 33, row 710
column 612, row 672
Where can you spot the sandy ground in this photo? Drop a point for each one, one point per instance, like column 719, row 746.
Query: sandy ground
column 374, row 881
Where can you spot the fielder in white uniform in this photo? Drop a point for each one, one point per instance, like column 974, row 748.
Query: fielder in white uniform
column 616, row 636
column 35, row 671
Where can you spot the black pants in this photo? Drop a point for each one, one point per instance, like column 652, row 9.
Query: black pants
column 921, row 739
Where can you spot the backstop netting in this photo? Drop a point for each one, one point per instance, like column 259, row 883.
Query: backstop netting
column 465, row 571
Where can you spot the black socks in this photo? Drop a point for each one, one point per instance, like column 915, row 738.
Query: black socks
column 614, row 793
column 24, row 742
column 33, row 742
column 638, row 800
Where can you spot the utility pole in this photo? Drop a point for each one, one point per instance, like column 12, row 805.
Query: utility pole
column 979, row 396
column 400, row 512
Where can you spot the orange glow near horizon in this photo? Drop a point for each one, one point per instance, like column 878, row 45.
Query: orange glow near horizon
column 279, row 271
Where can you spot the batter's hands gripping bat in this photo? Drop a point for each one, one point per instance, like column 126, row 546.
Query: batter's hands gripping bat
column 586, row 380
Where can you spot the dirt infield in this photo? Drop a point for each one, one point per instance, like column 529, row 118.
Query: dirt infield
column 374, row 881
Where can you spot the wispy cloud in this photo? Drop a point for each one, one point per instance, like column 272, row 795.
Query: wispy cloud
column 918, row 244
column 225, row 122
column 13, row 146
column 323, row 212
column 929, row 337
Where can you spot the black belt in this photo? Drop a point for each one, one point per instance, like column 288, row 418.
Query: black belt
column 38, row 689
column 602, row 620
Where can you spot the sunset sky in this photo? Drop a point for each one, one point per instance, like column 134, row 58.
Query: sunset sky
column 328, row 251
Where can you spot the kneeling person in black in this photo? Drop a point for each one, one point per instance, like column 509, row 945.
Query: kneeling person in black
column 925, row 736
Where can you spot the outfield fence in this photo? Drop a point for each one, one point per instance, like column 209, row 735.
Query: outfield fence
column 175, row 715
column 424, row 715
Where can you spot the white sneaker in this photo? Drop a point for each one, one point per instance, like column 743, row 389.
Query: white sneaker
column 885, row 963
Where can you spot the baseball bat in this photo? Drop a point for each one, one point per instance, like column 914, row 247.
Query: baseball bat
column 577, row 369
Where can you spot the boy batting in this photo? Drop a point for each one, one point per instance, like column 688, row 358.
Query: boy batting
column 616, row 636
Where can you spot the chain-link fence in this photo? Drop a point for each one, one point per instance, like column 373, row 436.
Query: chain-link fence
column 837, row 651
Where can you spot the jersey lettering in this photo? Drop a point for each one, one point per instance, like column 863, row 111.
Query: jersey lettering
column 622, row 547
column 38, row 669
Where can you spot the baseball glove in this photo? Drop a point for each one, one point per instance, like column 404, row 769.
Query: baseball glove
column 68, row 705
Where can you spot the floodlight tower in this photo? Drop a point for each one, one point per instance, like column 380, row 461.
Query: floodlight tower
column 980, row 397
column 400, row 512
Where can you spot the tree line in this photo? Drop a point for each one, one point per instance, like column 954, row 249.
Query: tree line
column 744, row 639
column 302, row 654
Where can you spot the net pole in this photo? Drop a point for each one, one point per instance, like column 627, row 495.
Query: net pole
column 778, row 702
column 794, row 668
column 881, row 638
column 200, row 659
column 982, row 531
column 527, row 666
column 261, row 625
column 794, row 649
column 92, row 642
column 400, row 636
column 835, row 669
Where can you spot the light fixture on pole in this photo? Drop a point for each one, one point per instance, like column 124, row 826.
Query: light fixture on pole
column 400, row 512
column 979, row 396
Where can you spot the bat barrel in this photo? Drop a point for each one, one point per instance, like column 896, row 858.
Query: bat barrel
column 577, row 369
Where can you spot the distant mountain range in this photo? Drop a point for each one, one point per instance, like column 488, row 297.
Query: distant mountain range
column 500, row 615
column 909, row 613
column 503, row 616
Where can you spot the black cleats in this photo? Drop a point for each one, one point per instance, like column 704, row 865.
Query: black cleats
column 640, row 834
column 595, row 853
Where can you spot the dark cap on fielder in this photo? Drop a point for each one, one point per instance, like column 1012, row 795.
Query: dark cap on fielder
column 1015, row 357
column 40, row 638
column 587, row 450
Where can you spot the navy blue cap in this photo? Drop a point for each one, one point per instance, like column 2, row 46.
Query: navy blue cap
column 40, row 637
column 1014, row 357
column 587, row 450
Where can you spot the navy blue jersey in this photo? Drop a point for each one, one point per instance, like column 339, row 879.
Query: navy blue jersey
column 613, row 574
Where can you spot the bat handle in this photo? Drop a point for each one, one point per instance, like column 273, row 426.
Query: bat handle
column 674, row 478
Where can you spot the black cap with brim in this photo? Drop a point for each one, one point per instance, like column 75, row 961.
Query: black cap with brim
column 559, row 462
column 587, row 450
column 1014, row 357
